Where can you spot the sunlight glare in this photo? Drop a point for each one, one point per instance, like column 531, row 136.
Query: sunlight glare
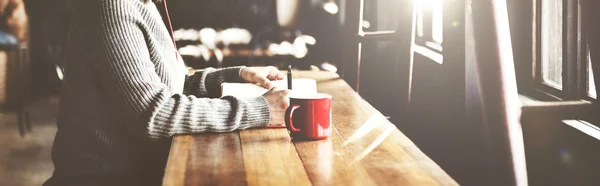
column 513, row 103
column 366, row 127
column 331, row 7
column 375, row 143
column 585, row 127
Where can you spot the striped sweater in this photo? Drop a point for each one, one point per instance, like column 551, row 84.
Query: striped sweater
column 126, row 93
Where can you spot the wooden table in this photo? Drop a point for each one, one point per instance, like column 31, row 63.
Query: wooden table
column 364, row 149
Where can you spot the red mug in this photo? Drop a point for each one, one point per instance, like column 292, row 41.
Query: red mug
column 309, row 117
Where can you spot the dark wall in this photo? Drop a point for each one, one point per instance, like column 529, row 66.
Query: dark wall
column 48, row 30
column 380, row 68
column 522, row 38
column 558, row 154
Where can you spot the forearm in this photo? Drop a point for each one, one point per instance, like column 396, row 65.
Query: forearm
column 183, row 115
column 207, row 82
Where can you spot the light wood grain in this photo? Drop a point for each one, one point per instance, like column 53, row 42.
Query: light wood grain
column 328, row 162
column 364, row 149
column 271, row 159
column 175, row 171
column 215, row 159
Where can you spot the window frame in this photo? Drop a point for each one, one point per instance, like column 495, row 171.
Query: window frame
column 574, row 63
column 427, row 40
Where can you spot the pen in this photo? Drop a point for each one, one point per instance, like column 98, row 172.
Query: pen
column 289, row 78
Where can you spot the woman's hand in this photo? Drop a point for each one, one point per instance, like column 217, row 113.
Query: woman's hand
column 278, row 99
column 261, row 75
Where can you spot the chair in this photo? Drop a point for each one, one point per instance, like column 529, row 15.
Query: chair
column 20, row 56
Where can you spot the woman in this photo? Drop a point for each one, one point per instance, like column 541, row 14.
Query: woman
column 125, row 93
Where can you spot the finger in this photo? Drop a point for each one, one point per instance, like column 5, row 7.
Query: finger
column 272, row 72
column 264, row 82
column 279, row 75
column 275, row 74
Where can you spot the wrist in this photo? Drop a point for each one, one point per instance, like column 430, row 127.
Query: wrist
column 242, row 72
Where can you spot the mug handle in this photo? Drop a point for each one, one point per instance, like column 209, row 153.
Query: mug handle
column 288, row 118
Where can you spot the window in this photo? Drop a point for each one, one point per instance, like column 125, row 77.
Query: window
column 563, row 63
column 429, row 29
column 591, row 86
column 551, row 50
column 429, row 24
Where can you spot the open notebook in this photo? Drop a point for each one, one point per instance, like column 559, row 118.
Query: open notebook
column 301, row 86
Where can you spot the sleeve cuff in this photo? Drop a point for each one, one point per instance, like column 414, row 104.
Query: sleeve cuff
column 229, row 74
column 257, row 112
column 215, row 78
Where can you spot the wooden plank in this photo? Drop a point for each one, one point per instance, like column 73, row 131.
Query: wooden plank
column 176, row 164
column 215, row 159
column 327, row 163
column 270, row 158
column 428, row 165
column 369, row 135
column 367, row 149
column 558, row 110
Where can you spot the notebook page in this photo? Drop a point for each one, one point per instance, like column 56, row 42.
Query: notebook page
column 247, row 90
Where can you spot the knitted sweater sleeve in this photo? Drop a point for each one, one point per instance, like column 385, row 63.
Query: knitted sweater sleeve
column 207, row 82
column 142, row 101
